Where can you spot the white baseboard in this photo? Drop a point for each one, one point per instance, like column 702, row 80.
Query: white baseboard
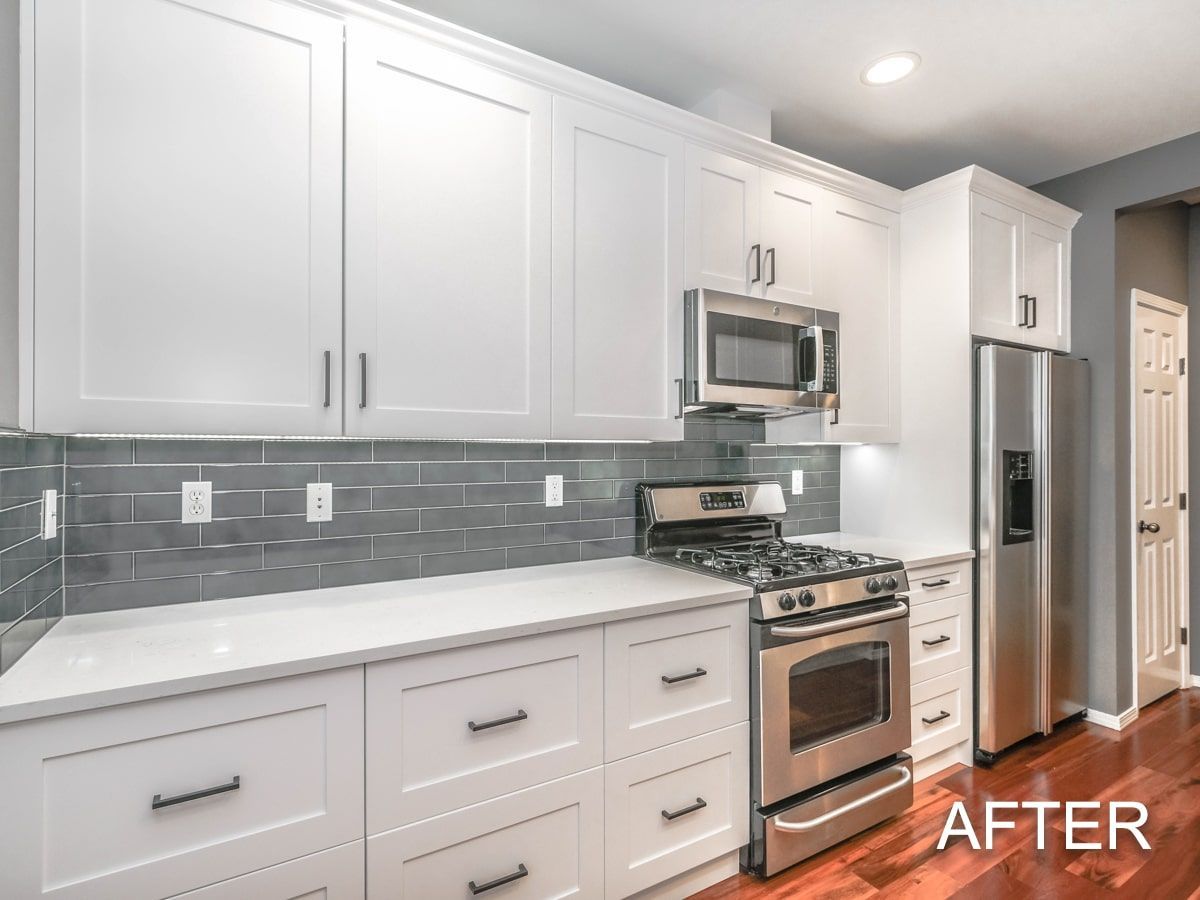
column 1107, row 720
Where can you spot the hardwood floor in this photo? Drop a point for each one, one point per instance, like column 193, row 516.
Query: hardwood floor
column 1156, row 761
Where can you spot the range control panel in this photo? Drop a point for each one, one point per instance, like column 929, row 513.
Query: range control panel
column 722, row 500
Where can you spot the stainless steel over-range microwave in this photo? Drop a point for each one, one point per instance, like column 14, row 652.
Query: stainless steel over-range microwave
column 746, row 357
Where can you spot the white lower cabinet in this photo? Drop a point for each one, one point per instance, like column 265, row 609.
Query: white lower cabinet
column 941, row 637
column 941, row 713
column 545, row 841
column 337, row 874
column 674, row 808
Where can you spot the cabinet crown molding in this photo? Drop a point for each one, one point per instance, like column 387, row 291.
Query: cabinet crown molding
column 980, row 180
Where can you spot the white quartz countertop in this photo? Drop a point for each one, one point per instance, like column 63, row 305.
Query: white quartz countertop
column 911, row 553
column 102, row 659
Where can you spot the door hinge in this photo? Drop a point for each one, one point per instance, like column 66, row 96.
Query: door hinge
column 1183, row 501
column 1183, row 635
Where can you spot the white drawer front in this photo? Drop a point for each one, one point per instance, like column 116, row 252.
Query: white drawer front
column 431, row 744
column 934, row 582
column 707, row 779
column 83, row 788
column 552, row 833
column 941, row 713
column 940, row 637
column 644, row 711
column 336, row 874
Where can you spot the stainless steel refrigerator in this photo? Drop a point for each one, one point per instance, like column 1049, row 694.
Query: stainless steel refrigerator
column 1031, row 502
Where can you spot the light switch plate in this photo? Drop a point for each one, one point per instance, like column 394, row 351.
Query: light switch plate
column 320, row 502
column 49, row 515
column 197, row 502
column 797, row 481
column 554, row 490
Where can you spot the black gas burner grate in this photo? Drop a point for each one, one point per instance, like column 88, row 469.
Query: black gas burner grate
column 772, row 559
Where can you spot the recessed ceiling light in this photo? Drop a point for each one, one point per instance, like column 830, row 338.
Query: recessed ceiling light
column 890, row 68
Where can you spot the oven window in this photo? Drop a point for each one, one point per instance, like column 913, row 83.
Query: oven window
column 839, row 692
column 755, row 353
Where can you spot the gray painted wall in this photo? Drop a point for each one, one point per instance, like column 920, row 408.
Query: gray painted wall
column 1100, row 332
column 1194, row 425
column 9, row 102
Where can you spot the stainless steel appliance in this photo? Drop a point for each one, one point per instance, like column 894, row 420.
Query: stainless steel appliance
column 1032, row 571
column 829, row 669
column 746, row 357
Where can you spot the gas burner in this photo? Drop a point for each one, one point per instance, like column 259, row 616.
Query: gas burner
column 768, row 560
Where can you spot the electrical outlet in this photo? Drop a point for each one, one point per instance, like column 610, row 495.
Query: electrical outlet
column 49, row 515
column 797, row 481
column 320, row 502
column 554, row 490
column 197, row 502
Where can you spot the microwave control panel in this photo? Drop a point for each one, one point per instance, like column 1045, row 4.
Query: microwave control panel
column 829, row 362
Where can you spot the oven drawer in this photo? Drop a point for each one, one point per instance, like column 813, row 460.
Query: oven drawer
column 940, row 637
column 944, row 580
column 675, row 808
column 674, row 676
column 546, row 841
column 941, row 713
column 153, row 799
column 452, row 728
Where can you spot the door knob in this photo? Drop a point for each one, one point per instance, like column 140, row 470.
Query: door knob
column 1151, row 527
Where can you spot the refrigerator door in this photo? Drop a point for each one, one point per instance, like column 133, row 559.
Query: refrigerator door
column 1065, row 547
column 1009, row 686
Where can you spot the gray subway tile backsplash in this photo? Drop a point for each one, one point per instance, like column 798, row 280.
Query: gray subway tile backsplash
column 402, row 509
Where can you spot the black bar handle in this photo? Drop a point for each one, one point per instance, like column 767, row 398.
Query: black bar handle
column 942, row 715
column 159, row 801
column 1024, row 298
column 936, row 641
column 757, row 250
column 771, row 256
column 362, row 381
column 520, row 716
column 941, row 582
column 328, row 375
column 675, row 679
column 1033, row 318
column 499, row 882
column 698, row 805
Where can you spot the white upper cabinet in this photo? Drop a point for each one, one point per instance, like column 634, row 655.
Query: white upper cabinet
column 996, row 270
column 618, row 276
column 1047, row 283
column 447, row 244
column 722, row 247
column 791, row 214
column 188, row 225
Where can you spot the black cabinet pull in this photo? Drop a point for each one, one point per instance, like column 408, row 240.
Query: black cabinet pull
column 698, row 805
column 328, row 375
column 757, row 250
column 941, row 582
column 521, row 715
column 771, row 256
column 499, row 882
column 362, row 381
column 1033, row 307
column 1024, row 298
column 675, row 679
column 942, row 715
column 936, row 641
column 159, row 801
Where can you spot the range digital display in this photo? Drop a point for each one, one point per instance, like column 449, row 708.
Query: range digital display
column 722, row 500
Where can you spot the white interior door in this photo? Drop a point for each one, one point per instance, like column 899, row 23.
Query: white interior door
column 447, row 244
column 721, row 248
column 1160, row 538
column 188, row 238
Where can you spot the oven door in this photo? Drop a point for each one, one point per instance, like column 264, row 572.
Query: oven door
column 747, row 352
column 834, row 697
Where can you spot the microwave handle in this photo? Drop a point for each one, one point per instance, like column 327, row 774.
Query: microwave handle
column 817, row 333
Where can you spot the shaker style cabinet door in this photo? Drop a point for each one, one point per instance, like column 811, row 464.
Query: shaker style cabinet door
column 447, row 244
column 188, row 217
column 996, row 270
column 791, row 237
column 618, row 276
column 722, row 249
column 1047, row 258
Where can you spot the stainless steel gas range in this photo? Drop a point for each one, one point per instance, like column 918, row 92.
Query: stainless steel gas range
column 829, row 669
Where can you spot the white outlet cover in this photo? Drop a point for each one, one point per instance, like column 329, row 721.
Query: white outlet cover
column 197, row 502
column 554, row 490
column 797, row 481
column 49, row 514
column 320, row 502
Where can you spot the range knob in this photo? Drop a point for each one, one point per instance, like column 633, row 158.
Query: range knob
column 891, row 583
column 873, row 585
column 807, row 599
column 787, row 602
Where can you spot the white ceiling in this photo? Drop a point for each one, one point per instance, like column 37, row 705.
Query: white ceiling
column 1028, row 88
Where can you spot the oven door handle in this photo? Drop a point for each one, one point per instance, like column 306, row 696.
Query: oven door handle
column 809, row 824
column 807, row 631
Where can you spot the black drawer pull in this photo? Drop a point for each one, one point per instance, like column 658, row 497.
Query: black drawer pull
column 936, row 641
column 941, row 582
column 499, row 882
column 159, row 802
column 521, row 715
column 675, row 679
column 942, row 715
column 698, row 805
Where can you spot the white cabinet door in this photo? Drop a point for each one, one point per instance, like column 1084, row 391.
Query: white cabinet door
column 722, row 249
column 447, row 244
column 337, row 874
column 188, row 217
column 996, row 270
column 1047, row 282
column 618, row 276
column 862, row 277
column 791, row 239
